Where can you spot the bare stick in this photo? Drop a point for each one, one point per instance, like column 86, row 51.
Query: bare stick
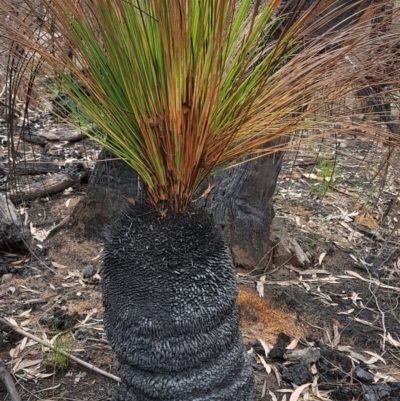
column 5, row 377
column 48, row 345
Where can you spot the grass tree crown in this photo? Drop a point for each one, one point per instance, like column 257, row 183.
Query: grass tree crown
column 180, row 89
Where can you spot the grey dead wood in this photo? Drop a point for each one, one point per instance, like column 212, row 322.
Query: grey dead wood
column 305, row 355
column 48, row 186
column 6, row 378
column 293, row 251
column 12, row 228
column 72, row 136
column 49, row 136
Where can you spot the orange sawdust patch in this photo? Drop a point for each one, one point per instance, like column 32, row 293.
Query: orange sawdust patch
column 259, row 319
column 73, row 254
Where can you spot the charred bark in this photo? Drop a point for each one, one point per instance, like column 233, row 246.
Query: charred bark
column 113, row 185
column 169, row 292
column 241, row 205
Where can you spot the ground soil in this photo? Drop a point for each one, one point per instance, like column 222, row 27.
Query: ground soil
column 332, row 281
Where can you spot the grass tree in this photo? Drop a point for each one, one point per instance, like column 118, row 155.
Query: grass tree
column 181, row 89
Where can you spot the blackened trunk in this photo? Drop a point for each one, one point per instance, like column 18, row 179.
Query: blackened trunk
column 169, row 293
column 112, row 186
column 241, row 205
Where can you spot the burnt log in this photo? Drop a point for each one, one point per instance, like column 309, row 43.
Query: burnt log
column 6, row 378
column 48, row 186
column 33, row 139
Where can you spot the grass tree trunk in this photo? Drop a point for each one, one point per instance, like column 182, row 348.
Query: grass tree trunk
column 169, row 286
column 169, row 293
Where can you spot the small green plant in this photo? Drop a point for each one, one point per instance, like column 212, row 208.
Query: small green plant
column 61, row 343
column 61, row 325
column 320, row 189
column 325, row 169
column 314, row 240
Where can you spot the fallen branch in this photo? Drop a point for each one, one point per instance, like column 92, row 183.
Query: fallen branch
column 33, row 139
column 50, row 185
column 48, row 345
column 373, row 280
column 5, row 377
column 34, row 168
column 55, row 229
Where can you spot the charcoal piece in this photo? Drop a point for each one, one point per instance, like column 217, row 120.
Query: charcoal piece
column 33, row 139
column 298, row 374
column 280, row 346
column 58, row 319
column 333, row 365
column 88, row 271
column 258, row 348
column 394, row 389
column 345, row 393
column 378, row 392
column 362, row 375
column 80, row 334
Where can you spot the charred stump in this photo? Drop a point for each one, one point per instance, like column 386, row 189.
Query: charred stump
column 240, row 201
column 13, row 232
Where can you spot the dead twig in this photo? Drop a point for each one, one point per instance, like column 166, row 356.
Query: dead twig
column 382, row 313
column 56, row 228
column 373, row 280
column 5, row 377
column 48, row 345
column 396, row 227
